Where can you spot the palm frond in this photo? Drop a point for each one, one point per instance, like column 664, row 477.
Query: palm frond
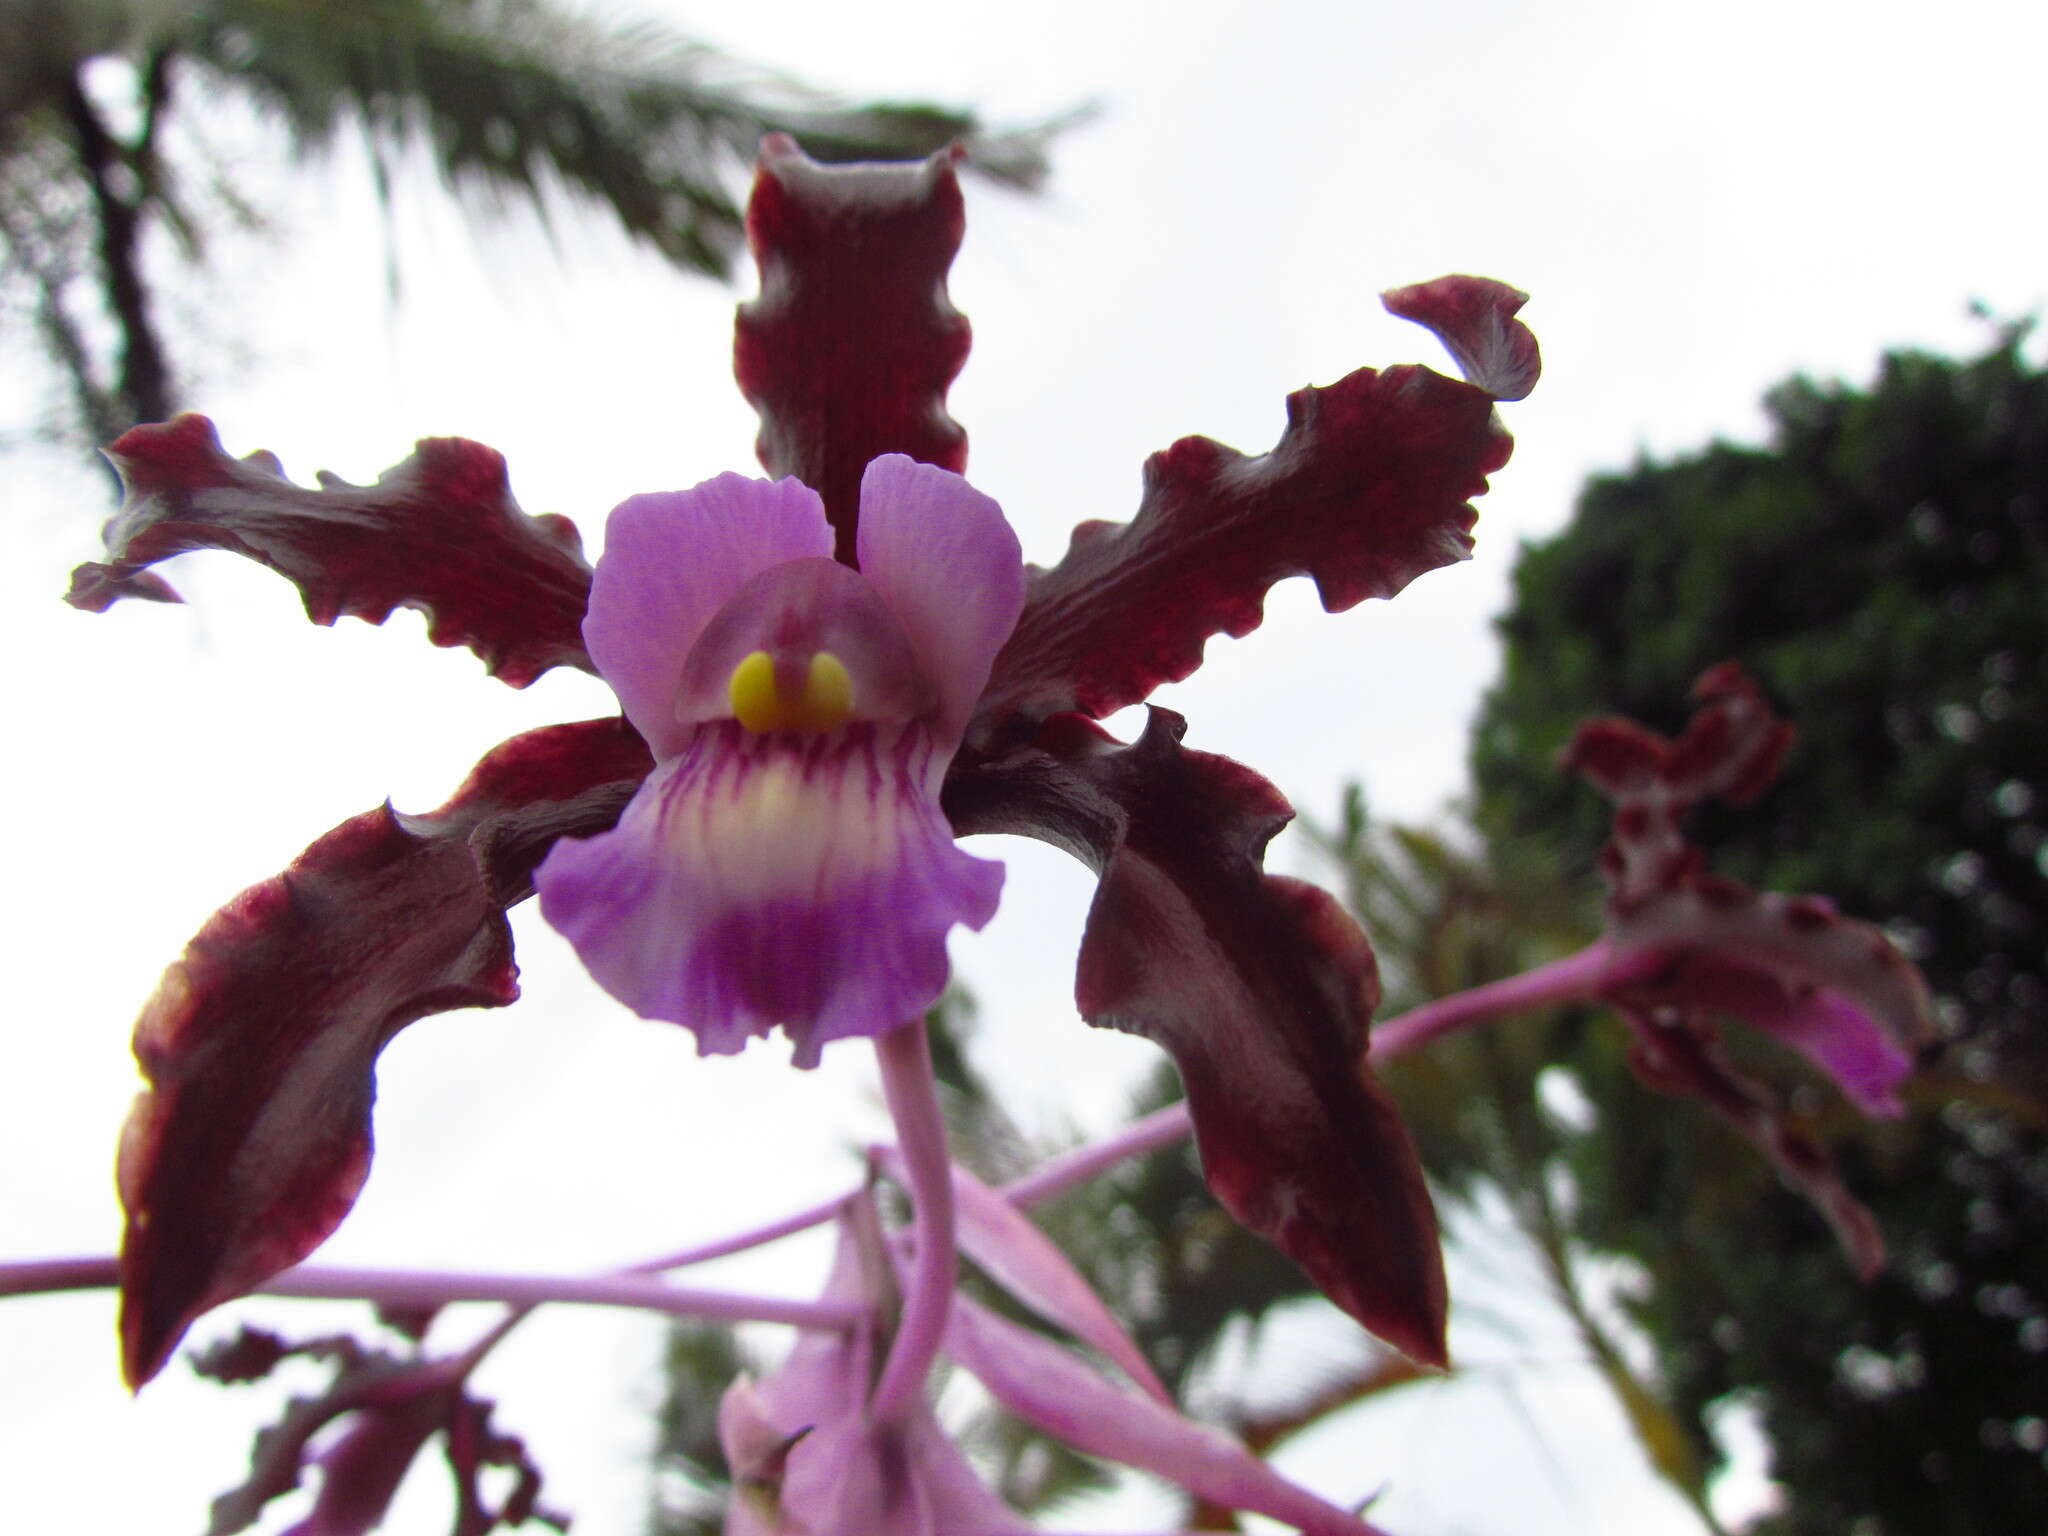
column 514, row 98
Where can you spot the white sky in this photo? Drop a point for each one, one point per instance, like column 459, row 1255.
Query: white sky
column 1701, row 199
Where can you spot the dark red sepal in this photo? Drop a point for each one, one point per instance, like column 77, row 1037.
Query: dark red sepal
column 1369, row 486
column 259, row 1046
column 1261, row 988
column 392, row 1406
column 1675, row 1055
column 1731, row 748
column 439, row 532
column 848, row 351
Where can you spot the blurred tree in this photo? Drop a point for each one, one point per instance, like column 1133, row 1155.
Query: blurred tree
column 1880, row 567
column 103, row 170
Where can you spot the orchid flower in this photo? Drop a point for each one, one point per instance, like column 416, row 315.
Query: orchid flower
column 759, row 840
column 1685, row 945
column 787, row 861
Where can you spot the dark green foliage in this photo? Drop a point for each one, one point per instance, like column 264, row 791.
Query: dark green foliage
column 691, row 1478
column 1880, row 567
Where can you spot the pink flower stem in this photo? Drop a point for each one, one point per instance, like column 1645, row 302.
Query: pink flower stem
column 409, row 1288
column 34, row 1277
column 1576, row 977
column 739, row 1242
column 907, row 1082
column 1585, row 974
column 1070, row 1170
column 912, row 1095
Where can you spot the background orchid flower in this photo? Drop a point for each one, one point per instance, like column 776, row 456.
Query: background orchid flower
column 1684, row 946
column 362, row 1432
column 1261, row 988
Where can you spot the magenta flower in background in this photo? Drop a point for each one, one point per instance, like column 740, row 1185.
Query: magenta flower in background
column 787, row 862
column 1684, row 947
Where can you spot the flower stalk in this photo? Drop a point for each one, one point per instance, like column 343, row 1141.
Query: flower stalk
column 420, row 1288
column 911, row 1091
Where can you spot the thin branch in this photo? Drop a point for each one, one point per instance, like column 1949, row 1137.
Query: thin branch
column 1586, row 974
column 145, row 376
column 419, row 1288
column 739, row 1242
column 1070, row 1170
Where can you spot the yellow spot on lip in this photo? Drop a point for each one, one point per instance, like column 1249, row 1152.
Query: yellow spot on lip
column 759, row 705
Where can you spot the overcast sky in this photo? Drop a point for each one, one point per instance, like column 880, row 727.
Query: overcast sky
column 1700, row 199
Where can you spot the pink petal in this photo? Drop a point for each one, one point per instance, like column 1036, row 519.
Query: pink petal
column 1055, row 1390
column 670, row 562
column 845, row 1476
column 1020, row 1258
column 777, row 879
column 792, row 611
column 1845, row 1043
column 950, row 569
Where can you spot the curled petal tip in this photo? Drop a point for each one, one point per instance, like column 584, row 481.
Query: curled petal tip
column 1474, row 317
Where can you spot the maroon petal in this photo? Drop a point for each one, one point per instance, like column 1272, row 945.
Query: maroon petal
column 1259, row 987
column 848, row 351
column 1731, row 748
column 1474, row 317
column 1368, row 487
column 475, row 1446
column 1675, row 1056
column 439, row 532
column 283, row 1452
column 1833, row 988
column 254, row 1136
column 385, row 1408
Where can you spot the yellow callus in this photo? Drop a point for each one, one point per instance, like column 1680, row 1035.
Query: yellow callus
column 823, row 705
